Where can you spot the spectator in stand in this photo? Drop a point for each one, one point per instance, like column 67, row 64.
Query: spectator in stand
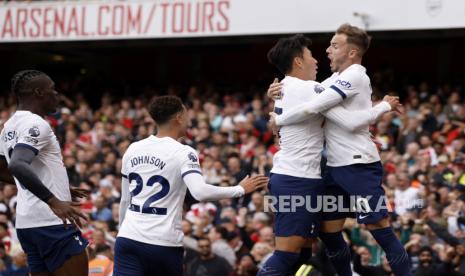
column 207, row 263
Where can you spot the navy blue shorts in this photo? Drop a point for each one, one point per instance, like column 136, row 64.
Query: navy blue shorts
column 359, row 186
column 133, row 258
column 47, row 248
column 294, row 217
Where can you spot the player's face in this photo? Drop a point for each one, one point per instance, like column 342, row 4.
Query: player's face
column 49, row 96
column 309, row 64
column 338, row 53
column 183, row 120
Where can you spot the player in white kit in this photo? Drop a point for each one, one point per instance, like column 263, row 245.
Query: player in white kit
column 31, row 150
column 296, row 166
column 156, row 173
column 354, row 167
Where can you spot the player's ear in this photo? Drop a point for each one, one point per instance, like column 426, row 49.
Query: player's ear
column 353, row 52
column 37, row 91
column 298, row 62
column 179, row 117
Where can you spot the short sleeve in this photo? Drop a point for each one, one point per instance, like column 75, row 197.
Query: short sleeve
column 124, row 161
column 2, row 142
column 34, row 135
column 347, row 84
column 189, row 161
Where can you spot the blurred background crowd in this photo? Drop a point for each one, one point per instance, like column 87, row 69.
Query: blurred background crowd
column 422, row 149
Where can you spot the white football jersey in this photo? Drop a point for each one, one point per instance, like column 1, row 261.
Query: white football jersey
column 155, row 168
column 26, row 129
column 301, row 143
column 345, row 147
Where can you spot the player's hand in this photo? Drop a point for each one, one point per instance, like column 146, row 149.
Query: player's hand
column 272, row 122
column 378, row 144
column 77, row 193
column 393, row 101
column 253, row 183
column 274, row 91
column 65, row 210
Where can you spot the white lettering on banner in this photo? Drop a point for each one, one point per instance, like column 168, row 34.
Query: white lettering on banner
column 60, row 20
column 89, row 20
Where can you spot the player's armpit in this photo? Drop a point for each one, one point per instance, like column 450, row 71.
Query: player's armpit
column 5, row 175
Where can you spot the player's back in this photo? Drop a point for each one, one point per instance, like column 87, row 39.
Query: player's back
column 153, row 167
column 26, row 129
column 345, row 147
column 300, row 144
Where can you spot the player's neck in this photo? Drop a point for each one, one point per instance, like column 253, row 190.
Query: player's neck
column 168, row 132
column 32, row 108
column 298, row 74
column 344, row 67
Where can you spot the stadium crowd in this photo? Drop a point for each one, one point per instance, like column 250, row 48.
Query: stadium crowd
column 422, row 149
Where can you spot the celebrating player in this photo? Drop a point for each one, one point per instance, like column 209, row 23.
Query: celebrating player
column 156, row 173
column 296, row 166
column 31, row 150
column 354, row 167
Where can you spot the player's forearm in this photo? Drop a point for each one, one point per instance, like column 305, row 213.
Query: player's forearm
column 123, row 207
column 356, row 120
column 303, row 111
column 205, row 192
column 5, row 175
column 125, row 200
column 29, row 180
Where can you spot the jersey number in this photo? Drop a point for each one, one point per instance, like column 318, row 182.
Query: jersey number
column 146, row 209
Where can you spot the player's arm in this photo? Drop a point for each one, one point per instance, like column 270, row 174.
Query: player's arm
column 341, row 89
column 20, row 167
column 303, row 111
column 206, row 192
column 5, row 175
column 355, row 120
column 125, row 198
column 192, row 175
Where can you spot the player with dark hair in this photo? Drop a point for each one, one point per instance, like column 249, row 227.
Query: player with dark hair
column 296, row 166
column 45, row 200
column 354, row 167
column 156, row 174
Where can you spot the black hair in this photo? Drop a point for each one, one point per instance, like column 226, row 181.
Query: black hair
column 222, row 231
column 162, row 108
column 204, row 238
column 286, row 49
column 426, row 248
column 20, row 81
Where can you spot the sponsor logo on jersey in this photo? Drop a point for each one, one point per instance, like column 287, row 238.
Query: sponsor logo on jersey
column 343, row 83
column 34, row 131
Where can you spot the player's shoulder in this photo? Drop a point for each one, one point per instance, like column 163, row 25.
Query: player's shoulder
column 354, row 72
column 30, row 124
column 352, row 77
column 299, row 85
column 25, row 117
column 188, row 151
